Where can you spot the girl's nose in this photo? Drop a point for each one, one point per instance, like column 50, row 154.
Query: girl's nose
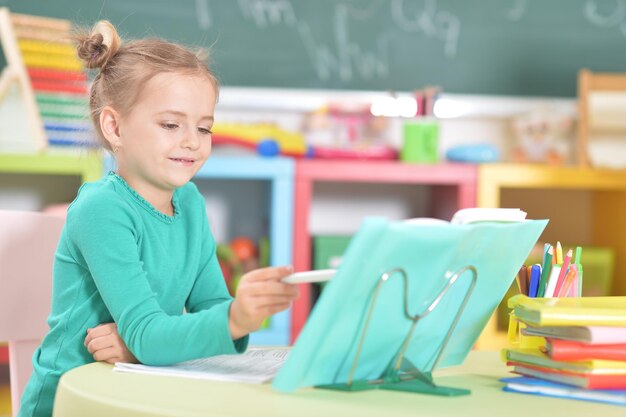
column 191, row 141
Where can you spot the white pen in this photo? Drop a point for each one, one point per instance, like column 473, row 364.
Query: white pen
column 319, row 275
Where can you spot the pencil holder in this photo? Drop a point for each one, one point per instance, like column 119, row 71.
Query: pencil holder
column 420, row 143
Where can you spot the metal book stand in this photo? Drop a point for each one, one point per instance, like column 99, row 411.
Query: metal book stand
column 401, row 374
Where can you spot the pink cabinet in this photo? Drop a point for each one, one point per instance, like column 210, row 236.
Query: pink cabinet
column 452, row 187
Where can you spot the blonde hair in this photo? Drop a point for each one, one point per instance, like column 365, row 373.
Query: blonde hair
column 125, row 67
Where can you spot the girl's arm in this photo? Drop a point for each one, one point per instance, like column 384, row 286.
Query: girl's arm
column 209, row 287
column 260, row 293
column 104, row 236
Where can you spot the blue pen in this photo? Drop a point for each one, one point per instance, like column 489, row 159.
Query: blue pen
column 535, row 277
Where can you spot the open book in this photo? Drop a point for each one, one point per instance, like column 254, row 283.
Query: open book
column 256, row 366
column 463, row 216
column 475, row 215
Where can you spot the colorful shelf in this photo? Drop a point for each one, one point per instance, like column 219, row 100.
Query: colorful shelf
column 453, row 188
column 605, row 191
column 279, row 173
column 87, row 165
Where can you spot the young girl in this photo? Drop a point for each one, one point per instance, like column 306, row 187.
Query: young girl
column 136, row 249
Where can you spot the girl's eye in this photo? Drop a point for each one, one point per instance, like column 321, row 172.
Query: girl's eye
column 169, row 126
column 205, row 131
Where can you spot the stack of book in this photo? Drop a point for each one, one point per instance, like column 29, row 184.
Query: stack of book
column 57, row 78
column 581, row 349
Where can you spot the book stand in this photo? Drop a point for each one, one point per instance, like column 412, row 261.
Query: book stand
column 400, row 374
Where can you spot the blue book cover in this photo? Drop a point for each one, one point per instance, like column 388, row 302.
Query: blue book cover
column 536, row 386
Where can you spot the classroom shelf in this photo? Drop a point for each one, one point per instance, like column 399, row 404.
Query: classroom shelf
column 453, row 186
column 35, row 181
column 87, row 165
column 585, row 206
column 278, row 173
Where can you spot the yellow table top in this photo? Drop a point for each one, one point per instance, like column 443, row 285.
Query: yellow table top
column 96, row 390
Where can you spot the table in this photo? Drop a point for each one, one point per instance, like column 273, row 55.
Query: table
column 96, row 390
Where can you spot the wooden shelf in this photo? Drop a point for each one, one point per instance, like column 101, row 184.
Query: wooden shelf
column 87, row 165
column 600, row 194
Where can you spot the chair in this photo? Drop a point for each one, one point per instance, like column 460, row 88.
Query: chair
column 28, row 241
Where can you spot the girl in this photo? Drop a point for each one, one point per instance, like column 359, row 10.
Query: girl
column 136, row 248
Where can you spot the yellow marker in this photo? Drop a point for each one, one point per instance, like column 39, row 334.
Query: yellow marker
column 559, row 254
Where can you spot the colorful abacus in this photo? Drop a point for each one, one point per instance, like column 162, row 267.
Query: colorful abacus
column 57, row 78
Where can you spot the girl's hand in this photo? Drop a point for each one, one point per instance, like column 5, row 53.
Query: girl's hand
column 259, row 295
column 105, row 345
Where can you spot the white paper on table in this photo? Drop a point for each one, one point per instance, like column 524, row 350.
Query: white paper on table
column 256, row 366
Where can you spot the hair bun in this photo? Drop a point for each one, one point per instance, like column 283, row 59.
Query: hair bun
column 97, row 47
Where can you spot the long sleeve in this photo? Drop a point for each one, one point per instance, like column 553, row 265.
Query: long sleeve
column 209, row 287
column 107, row 241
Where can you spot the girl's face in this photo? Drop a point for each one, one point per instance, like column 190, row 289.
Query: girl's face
column 166, row 137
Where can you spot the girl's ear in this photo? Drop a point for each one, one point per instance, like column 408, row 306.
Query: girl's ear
column 110, row 126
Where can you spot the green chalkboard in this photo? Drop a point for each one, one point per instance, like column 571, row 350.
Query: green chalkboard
column 505, row 47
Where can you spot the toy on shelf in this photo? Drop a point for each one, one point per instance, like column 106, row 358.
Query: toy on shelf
column 420, row 141
column 239, row 256
column 425, row 100
column 58, row 79
column 242, row 255
column 542, row 137
column 348, row 131
column 52, row 82
column 266, row 138
column 478, row 153
column 601, row 119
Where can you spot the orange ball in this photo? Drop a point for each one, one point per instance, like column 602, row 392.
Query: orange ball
column 244, row 248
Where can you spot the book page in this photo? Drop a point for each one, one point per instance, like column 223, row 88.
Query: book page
column 473, row 215
column 256, row 366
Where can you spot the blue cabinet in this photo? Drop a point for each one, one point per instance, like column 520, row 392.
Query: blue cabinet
column 275, row 175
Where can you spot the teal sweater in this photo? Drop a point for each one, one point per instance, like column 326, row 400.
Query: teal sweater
column 120, row 260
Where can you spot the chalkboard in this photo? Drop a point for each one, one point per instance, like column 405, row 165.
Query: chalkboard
column 503, row 47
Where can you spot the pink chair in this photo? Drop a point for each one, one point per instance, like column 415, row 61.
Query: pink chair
column 28, row 241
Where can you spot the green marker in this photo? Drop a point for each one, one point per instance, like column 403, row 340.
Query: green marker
column 545, row 272
column 579, row 255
